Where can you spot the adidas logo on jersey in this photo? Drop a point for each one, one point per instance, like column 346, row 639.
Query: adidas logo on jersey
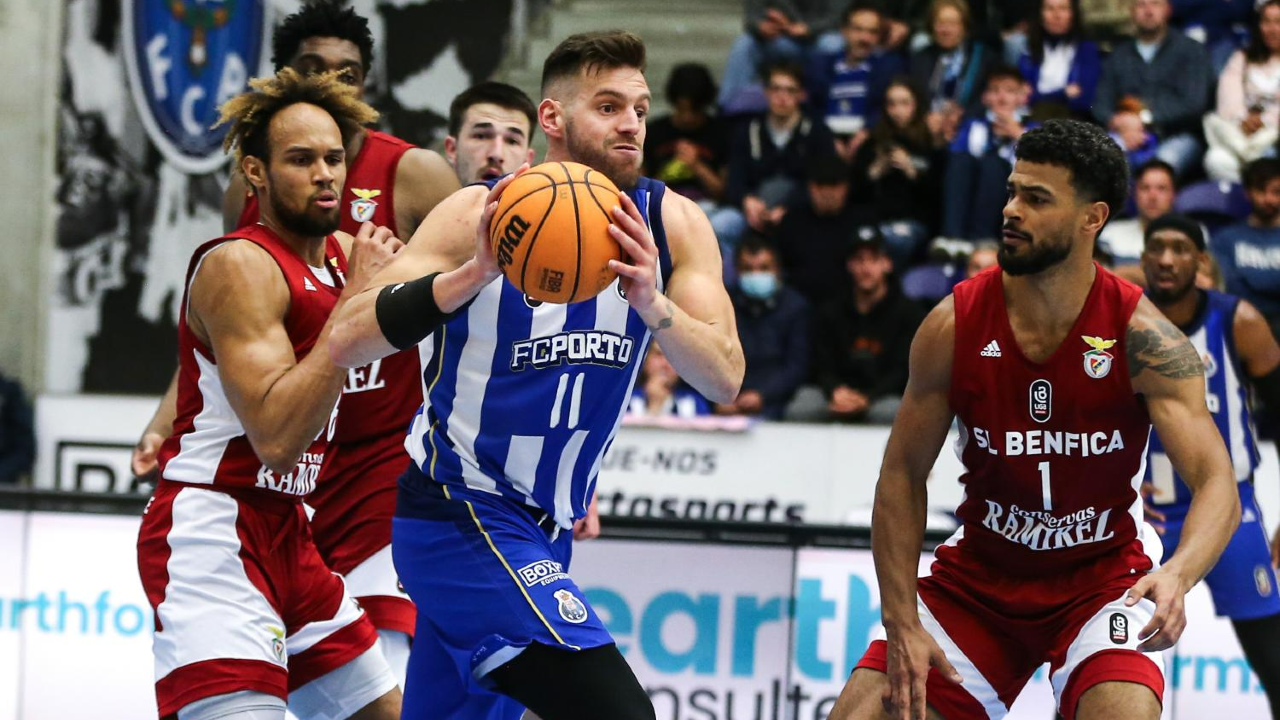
column 306, row 283
column 991, row 350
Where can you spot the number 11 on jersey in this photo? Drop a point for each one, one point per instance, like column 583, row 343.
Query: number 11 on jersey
column 575, row 401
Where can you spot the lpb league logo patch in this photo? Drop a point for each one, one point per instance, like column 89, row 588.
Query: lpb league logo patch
column 185, row 58
column 1119, row 625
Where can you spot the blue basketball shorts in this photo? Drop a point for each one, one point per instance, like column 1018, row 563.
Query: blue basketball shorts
column 1243, row 583
column 488, row 579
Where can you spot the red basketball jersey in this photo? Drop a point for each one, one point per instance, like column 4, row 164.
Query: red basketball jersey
column 1054, row 452
column 208, row 445
column 379, row 399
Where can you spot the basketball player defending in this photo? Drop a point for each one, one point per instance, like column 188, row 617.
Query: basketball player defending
column 1056, row 370
column 506, row 451
column 1239, row 355
column 389, row 183
column 247, row 613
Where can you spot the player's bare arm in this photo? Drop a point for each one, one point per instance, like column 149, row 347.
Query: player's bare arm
column 1258, row 350
column 1166, row 370
column 454, row 242
column 693, row 321
column 144, row 461
column 897, row 529
column 1257, row 347
column 238, row 303
column 423, row 180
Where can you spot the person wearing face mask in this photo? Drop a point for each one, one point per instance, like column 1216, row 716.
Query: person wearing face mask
column 773, row 327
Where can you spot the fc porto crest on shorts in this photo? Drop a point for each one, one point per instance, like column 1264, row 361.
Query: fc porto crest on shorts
column 571, row 608
column 185, row 58
column 1097, row 362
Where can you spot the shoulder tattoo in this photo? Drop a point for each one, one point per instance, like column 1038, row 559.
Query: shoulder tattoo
column 1162, row 349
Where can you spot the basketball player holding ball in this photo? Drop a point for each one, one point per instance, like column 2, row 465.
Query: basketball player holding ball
column 522, row 398
column 1056, row 370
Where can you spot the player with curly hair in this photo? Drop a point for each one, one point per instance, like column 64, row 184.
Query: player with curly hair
column 248, row 616
column 1056, row 370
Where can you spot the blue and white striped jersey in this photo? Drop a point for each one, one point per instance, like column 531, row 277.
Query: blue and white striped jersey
column 1227, row 396
column 523, row 398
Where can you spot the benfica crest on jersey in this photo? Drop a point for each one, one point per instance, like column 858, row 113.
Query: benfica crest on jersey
column 1097, row 362
column 363, row 206
column 185, row 58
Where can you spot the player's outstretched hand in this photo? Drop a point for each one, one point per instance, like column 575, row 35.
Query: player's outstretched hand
column 1170, row 619
column 640, row 276
column 485, row 257
column 910, row 654
column 143, row 461
column 371, row 250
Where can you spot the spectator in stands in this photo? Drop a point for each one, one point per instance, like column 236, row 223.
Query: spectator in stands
column 813, row 239
column 1154, row 189
column 773, row 325
column 984, row 255
column 17, row 434
column 981, row 158
column 1061, row 66
column 847, row 88
column 688, row 149
column 660, row 392
column 1246, row 123
column 766, row 158
column 778, row 30
column 862, row 339
column 1222, row 26
column 1169, row 74
column 952, row 67
column 1249, row 253
column 1130, row 131
column 897, row 173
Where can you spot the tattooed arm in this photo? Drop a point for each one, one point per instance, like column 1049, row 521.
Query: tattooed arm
column 1165, row 369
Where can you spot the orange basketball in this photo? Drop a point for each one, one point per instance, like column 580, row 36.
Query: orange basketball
column 551, row 232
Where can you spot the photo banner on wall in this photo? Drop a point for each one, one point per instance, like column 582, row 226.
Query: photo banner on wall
column 140, row 174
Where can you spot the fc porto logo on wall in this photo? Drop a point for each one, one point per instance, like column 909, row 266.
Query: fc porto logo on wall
column 185, row 58
column 363, row 207
column 1097, row 362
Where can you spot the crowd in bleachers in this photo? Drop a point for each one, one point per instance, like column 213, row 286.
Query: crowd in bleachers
column 853, row 163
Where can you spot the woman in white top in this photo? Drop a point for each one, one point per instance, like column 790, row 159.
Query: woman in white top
column 1246, row 124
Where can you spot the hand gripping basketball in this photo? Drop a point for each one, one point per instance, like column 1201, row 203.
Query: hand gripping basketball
column 550, row 235
column 640, row 276
column 486, row 259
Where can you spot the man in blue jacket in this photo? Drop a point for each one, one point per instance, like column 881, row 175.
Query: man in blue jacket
column 773, row 326
column 1249, row 253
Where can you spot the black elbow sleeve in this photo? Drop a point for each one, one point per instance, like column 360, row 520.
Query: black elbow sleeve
column 407, row 312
